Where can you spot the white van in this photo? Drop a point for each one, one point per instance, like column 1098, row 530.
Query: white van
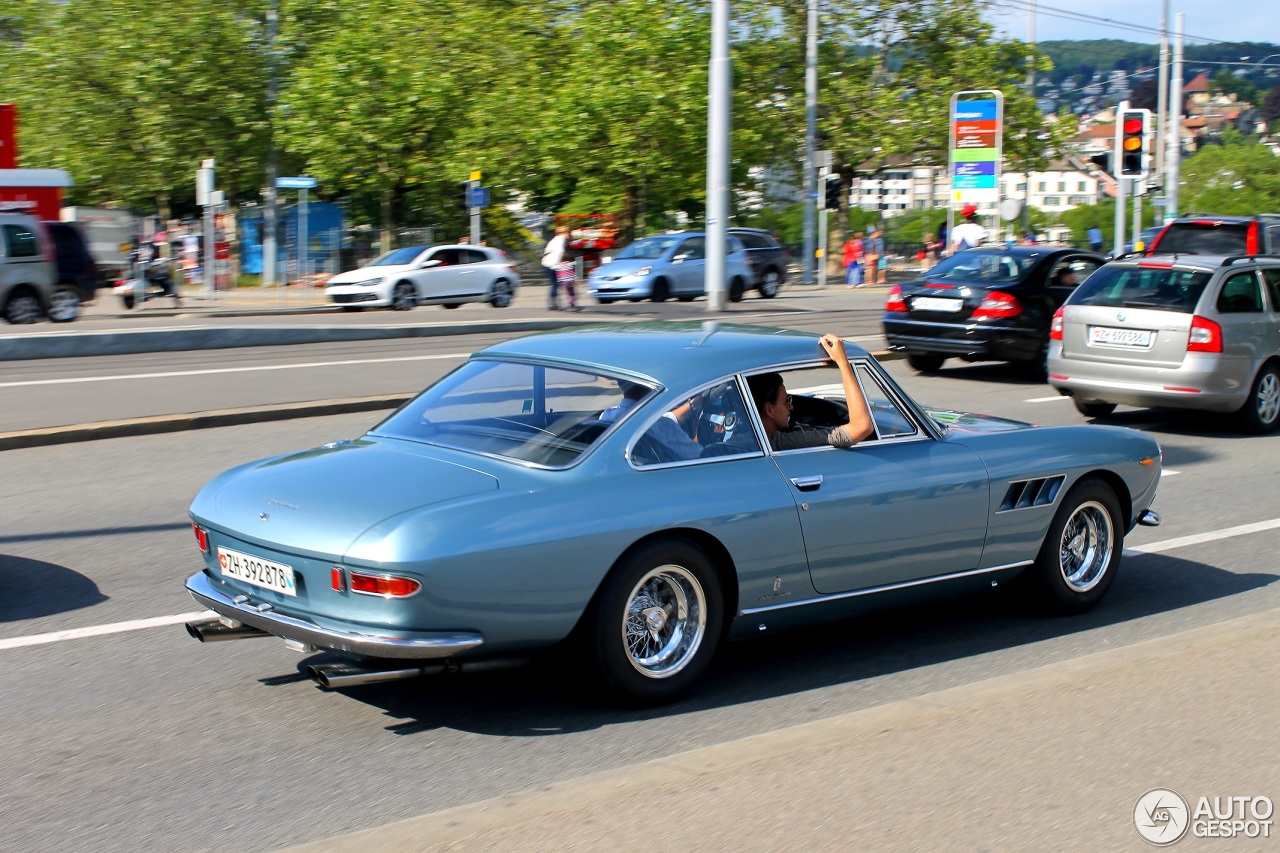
column 28, row 274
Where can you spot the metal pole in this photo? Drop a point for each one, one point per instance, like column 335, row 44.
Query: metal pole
column 1162, row 103
column 718, row 108
column 304, row 253
column 822, row 247
column 474, row 234
column 1031, row 90
column 269, row 249
column 1173, row 151
column 1137, row 214
column 1117, row 243
column 810, row 138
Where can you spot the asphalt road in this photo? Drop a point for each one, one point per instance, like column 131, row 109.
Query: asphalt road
column 127, row 735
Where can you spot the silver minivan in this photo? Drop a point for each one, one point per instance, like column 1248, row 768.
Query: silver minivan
column 29, row 286
column 1184, row 331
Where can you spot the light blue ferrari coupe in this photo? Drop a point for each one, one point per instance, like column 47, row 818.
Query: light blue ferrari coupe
column 615, row 487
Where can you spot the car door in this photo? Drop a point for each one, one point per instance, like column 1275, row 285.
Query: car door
column 1246, row 326
column 1271, row 275
column 898, row 507
column 442, row 279
column 689, row 266
column 474, row 272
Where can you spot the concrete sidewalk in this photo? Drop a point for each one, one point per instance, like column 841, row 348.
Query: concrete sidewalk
column 1050, row 759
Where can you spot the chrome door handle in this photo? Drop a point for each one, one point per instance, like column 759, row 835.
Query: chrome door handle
column 807, row 484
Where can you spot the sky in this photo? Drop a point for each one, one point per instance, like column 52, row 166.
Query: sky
column 1221, row 20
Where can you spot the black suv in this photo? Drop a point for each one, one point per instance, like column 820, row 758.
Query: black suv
column 1211, row 234
column 768, row 259
column 76, row 266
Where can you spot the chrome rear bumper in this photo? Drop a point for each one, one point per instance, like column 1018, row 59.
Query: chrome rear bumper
column 404, row 645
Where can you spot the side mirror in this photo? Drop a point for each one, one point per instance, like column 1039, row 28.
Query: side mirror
column 679, row 259
column 426, row 265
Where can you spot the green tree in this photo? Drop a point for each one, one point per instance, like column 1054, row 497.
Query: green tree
column 1238, row 177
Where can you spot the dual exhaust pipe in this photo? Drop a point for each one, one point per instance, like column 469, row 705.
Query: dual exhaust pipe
column 332, row 676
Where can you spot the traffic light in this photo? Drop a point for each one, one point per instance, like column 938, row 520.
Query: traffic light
column 464, row 196
column 832, row 192
column 1102, row 161
column 1134, row 125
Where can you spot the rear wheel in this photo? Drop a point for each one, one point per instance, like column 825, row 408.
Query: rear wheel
column 770, row 284
column 127, row 299
column 65, row 304
column 1261, row 412
column 500, row 295
column 23, row 307
column 656, row 622
column 1094, row 410
column 925, row 362
column 402, row 297
column 1081, row 552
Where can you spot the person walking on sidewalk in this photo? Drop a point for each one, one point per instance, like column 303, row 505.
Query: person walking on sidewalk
column 566, row 276
column 851, row 258
column 556, row 250
column 873, row 262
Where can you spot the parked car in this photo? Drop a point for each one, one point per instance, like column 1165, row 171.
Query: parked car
column 544, row 492
column 667, row 265
column 75, row 265
column 1211, row 234
column 768, row 259
column 29, row 284
column 989, row 303
column 1185, row 331
column 427, row 275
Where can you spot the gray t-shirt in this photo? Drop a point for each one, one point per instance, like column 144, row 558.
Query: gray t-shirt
column 806, row 436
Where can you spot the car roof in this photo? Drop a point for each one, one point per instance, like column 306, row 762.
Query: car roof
column 674, row 354
column 1026, row 251
column 1231, row 219
column 1207, row 262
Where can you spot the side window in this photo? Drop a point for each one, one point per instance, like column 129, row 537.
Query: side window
column 710, row 424
column 1083, row 267
column 1240, row 294
column 446, row 257
column 471, row 256
column 20, row 242
column 890, row 420
column 1272, row 275
column 693, row 249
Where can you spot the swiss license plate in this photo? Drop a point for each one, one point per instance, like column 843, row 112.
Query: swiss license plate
column 257, row 571
column 936, row 303
column 1105, row 336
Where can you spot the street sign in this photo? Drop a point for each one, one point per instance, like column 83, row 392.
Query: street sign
column 301, row 183
column 478, row 197
column 977, row 120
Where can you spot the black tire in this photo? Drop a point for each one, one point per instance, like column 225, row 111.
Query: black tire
column 1081, row 551
column 451, row 305
column 770, row 283
column 925, row 362
column 1094, row 410
column 64, row 305
column 500, row 294
column 656, row 622
column 737, row 289
column 127, row 299
column 661, row 291
column 353, row 309
column 23, row 307
column 1261, row 412
column 402, row 297
column 686, row 298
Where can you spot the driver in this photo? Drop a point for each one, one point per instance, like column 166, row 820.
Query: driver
column 774, row 403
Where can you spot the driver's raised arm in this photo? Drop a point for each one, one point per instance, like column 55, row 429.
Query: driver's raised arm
column 859, row 425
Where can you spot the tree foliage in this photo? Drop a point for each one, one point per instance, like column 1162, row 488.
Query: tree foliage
column 1238, row 177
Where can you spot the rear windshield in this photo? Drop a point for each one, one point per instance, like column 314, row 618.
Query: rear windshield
column 1142, row 287
column 1192, row 238
column 982, row 267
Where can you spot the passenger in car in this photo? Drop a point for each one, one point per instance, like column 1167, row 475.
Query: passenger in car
column 774, row 404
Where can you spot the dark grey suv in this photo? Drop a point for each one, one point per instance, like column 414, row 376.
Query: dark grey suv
column 768, row 259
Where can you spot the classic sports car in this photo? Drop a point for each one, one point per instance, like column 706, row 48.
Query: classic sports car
column 613, row 485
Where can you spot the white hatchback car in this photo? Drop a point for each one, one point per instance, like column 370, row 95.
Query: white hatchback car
column 427, row 275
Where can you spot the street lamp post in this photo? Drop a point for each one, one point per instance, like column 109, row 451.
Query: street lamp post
column 718, row 110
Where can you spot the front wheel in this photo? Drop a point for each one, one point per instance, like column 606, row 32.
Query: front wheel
column 656, row 622
column 770, row 284
column 1081, row 551
column 1094, row 410
column 925, row 362
column 1261, row 412
column 65, row 304
column 402, row 296
column 661, row 291
column 23, row 307
column 500, row 296
column 127, row 299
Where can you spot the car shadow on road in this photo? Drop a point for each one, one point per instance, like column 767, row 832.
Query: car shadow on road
column 551, row 696
column 1182, row 422
column 33, row 589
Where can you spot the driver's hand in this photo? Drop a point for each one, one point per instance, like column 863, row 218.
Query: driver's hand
column 833, row 346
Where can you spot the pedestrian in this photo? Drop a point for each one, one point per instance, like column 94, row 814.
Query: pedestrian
column 968, row 234
column 851, row 256
column 874, row 261
column 566, row 277
column 1095, row 238
column 552, row 254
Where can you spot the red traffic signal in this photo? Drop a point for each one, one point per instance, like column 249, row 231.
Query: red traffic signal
column 1134, row 127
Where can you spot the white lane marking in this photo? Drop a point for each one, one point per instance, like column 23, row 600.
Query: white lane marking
column 173, row 373
column 100, row 630
column 1046, row 399
column 1201, row 538
column 161, row 621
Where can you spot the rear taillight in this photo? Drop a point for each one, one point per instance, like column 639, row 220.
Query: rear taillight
column 998, row 305
column 1206, row 335
column 1055, row 326
column 202, row 537
column 390, row 586
column 1251, row 239
column 894, row 301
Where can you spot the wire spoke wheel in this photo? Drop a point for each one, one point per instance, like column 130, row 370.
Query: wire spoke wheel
column 1084, row 551
column 664, row 622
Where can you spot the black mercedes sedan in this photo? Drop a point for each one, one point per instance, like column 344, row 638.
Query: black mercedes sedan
column 987, row 304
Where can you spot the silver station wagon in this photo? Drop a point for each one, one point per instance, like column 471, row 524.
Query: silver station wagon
column 1184, row 331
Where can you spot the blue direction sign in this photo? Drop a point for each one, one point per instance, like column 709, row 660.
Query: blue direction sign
column 478, row 197
column 302, row 183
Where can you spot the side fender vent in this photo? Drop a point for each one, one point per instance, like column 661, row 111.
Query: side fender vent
column 1023, row 494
